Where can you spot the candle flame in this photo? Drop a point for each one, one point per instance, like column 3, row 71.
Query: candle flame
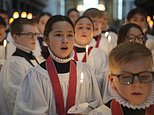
column 106, row 34
column 109, row 38
column 4, row 43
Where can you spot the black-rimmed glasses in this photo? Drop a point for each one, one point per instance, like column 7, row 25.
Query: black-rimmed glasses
column 133, row 38
column 29, row 34
column 128, row 78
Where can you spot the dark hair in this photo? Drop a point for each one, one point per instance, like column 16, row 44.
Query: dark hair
column 136, row 11
column 71, row 10
column 54, row 19
column 43, row 14
column 2, row 21
column 92, row 12
column 4, row 12
column 84, row 17
column 16, row 26
column 124, row 30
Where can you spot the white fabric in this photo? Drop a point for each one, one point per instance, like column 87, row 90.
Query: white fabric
column 102, row 110
column 106, row 44
column 36, row 96
column 150, row 41
column 98, row 61
column 11, row 77
column 59, row 60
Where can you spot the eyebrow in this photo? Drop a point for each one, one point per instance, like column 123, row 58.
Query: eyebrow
column 84, row 23
column 62, row 31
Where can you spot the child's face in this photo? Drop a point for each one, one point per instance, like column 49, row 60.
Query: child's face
column 61, row 39
column 74, row 16
column 139, row 20
column 137, row 92
column 42, row 23
column 83, row 32
column 28, row 37
column 135, row 35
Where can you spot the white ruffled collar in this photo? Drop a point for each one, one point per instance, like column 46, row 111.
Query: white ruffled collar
column 59, row 60
column 149, row 101
column 25, row 49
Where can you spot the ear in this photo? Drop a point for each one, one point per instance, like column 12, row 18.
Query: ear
column 15, row 37
column 111, row 80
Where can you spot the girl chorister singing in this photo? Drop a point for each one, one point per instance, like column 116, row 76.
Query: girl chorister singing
column 60, row 82
column 85, row 52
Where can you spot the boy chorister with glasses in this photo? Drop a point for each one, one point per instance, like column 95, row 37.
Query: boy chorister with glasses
column 131, row 80
column 24, row 33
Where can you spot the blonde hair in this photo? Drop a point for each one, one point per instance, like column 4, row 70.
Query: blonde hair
column 127, row 52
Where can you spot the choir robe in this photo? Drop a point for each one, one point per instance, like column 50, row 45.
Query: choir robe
column 36, row 96
column 106, row 44
column 98, row 61
column 11, row 76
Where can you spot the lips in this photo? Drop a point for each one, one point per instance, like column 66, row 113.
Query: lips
column 136, row 93
column 64, row 48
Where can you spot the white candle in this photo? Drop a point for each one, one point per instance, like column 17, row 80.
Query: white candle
column 82, row 77
column 5, row 46
column 87, row 51
column 109, row 38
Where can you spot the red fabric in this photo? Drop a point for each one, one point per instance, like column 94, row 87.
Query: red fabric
column 98, row 41
column 84, row 58
column 150, row 110
column 57, row 88
column 116, row 109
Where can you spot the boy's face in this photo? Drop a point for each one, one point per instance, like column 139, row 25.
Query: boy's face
column 137, row 92
column 28, row 37
column 139, row 20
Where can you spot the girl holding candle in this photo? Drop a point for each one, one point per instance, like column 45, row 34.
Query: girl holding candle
column 54, row 87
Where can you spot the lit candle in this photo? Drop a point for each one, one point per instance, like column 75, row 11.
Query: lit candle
column 82, row 77
column 106, row 34
column 109, row 38
column 87, row 46
column 5, row 46
column 151, row 24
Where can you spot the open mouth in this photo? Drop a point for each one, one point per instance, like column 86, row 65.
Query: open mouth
column 64, row 48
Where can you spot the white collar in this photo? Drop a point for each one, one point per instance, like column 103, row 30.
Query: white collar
column 149, row 101
column 59, row 60
column 28, row 50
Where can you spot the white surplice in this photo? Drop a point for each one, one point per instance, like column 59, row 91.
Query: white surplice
column 11, row 76
column 106, row 43
column 36, row 96
column 98, row 61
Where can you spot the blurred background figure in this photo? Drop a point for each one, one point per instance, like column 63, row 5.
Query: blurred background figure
column 3, row 46
column 73, row 14
column 131, row 33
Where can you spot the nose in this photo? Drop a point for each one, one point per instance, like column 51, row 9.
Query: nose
column 64, row 40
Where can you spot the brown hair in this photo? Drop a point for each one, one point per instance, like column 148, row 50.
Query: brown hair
column 17, row 25
column 92, row 13
column 128, row 51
